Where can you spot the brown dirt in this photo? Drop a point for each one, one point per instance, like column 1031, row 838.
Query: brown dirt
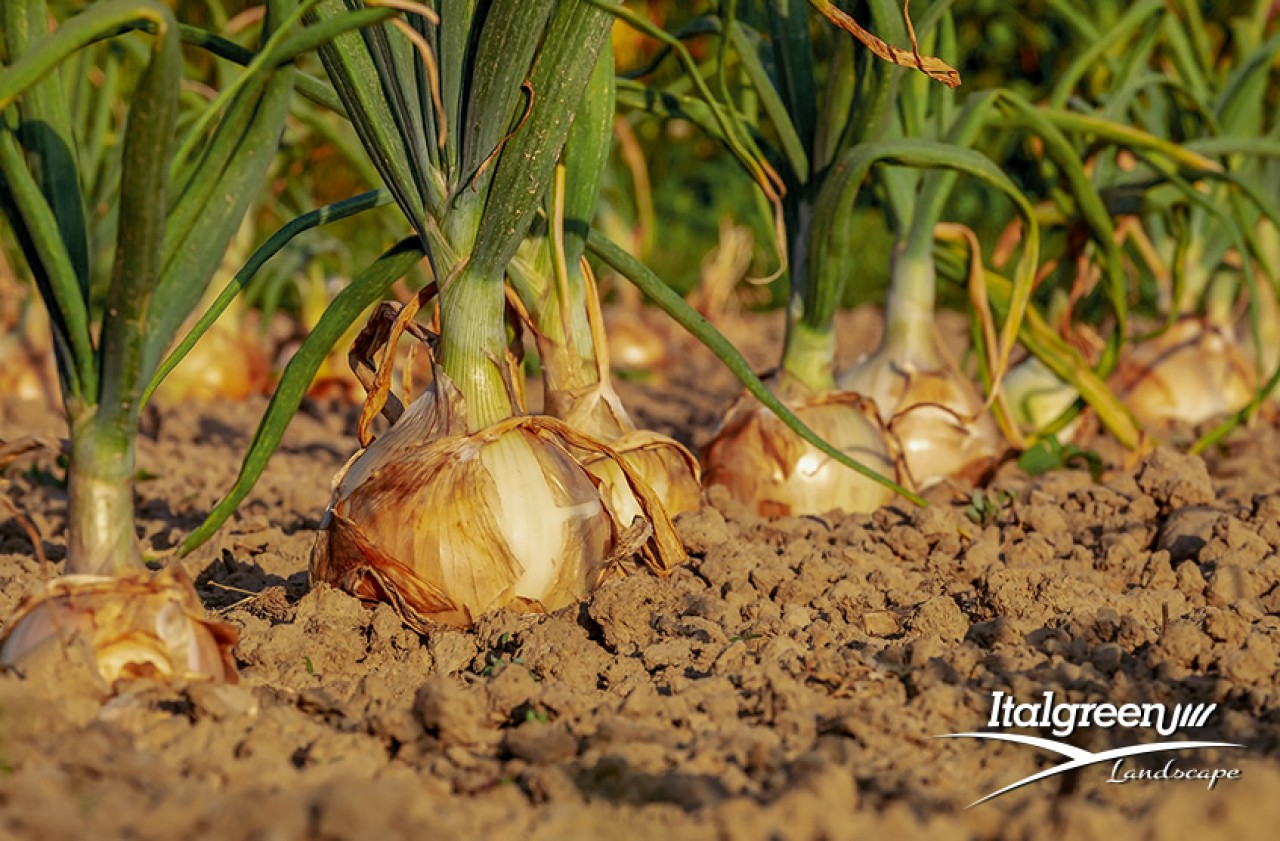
column 785, row 684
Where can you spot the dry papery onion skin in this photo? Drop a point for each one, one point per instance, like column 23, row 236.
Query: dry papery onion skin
column 935, row 421
column 122, row 628
column 664, row 464
column 1191, row 373
column 446, row 526
column 769, row 468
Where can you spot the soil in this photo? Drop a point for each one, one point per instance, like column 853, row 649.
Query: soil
column 787, row 683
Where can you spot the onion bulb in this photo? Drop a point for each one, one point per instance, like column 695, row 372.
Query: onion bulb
column 130, row 626
column 1190, row 373
column 1036, row 397
column 935, row 418
column 228, row 363
column 664, row 464
column 27, row 367
column 447, row 525
column 766, row 466
column 637, row 342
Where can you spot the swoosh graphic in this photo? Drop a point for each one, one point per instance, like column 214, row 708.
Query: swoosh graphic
column 1080, row 758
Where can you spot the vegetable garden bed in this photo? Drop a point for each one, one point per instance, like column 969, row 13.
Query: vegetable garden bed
column 608, row 551
column 784, row 684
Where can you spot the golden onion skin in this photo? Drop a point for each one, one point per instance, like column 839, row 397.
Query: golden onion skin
column 935, row 419
column 1190, row 373
column 636, row 342
column 663, row 463
column 226, row 364
column 432, row 530
column 124, row 627
column 769, row 468
column 1036, row 397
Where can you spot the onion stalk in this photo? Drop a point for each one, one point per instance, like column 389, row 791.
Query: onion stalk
column 173, row 230
column 559, row 292
column 761, row 462
column 467, row 505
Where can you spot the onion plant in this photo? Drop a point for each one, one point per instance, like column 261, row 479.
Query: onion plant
column 826, row 140
column 1168, row 121
column 176, row 215
column 187, row 171
column 933, row 413
column 467, row 503
column 1217, row 103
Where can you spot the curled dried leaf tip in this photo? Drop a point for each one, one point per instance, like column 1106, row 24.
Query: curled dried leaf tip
column 933, row 67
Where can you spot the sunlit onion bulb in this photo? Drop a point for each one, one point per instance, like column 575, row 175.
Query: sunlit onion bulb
column 935, row 417
column 1191, row 373
column 664, row 464
column 769, row 468
column 550, row 515
column 125, row 627
column 1036, row 397
column 228, row 363
column 448, row 525
column 636, row 343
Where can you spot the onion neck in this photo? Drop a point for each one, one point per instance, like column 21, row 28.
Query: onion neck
column 909, row 308
column 101, row 539
column 809, row 351
column 1196, row 278
column 473, row 346
column 1265, row 303
column 809, row 357
column 1220, row 300
column 565, row 342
